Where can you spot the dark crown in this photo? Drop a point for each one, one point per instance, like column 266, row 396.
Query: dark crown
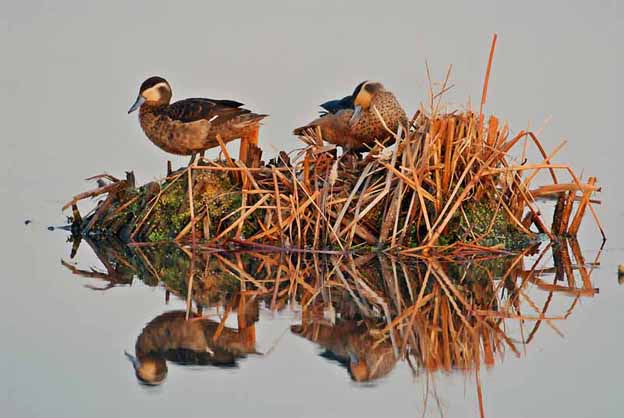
column 151, row 82
column 358, row 88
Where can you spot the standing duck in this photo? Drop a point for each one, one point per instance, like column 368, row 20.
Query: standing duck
column 191, row 126
column 352, row 122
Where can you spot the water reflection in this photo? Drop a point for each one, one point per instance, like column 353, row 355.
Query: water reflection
column 351, row 343
column 366, row 313
column 193, row 341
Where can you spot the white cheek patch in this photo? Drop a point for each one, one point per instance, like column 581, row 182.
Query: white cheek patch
column 153, row 93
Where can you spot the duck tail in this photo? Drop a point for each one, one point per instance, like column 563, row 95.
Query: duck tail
column 250, row 119
column 257, row 117
column 301, row 130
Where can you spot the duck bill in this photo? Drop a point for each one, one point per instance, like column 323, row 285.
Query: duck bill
column 357, row 368
column 357, row 113
column 135, row 361
column 139, row 101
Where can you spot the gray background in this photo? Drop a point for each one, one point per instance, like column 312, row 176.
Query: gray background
column 70, row 70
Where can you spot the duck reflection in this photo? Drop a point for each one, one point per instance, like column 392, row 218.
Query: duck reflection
column 193, row 340
column 367, row 313
column 351, row 344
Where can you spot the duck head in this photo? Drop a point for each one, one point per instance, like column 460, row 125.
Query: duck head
column 358, row 369
column 154, row 91
column 149, row 370
column 362, row 97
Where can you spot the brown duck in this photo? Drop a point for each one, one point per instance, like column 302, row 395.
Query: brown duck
column 191, row 126
column 351, row 344
column 352, row 122
column 198, row 341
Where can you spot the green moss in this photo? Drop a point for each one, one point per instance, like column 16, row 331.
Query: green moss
column 217, row 196
column 481, row 221
column 156, row 235
column 212, row 192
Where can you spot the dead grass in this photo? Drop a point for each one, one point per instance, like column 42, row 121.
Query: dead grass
column 402, row 199
column 435, row 313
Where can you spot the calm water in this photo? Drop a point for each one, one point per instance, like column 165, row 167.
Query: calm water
column 69, row 72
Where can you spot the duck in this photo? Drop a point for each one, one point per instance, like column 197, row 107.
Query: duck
column 171, row 337
column 351, row 344
column 191, row 126
column 336, row 105
column 353, row 124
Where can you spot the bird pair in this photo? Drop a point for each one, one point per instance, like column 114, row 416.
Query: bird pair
column 191, row 126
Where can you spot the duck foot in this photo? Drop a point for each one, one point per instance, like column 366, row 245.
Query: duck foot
column 349, row 159
column 193, row 158
column 196, row 158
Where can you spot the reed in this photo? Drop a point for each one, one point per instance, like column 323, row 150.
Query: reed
column 451, row 183
column 445, row 186
column 434, row 313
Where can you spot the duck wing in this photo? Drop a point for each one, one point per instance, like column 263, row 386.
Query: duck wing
column 216, row 111
column 334, row 106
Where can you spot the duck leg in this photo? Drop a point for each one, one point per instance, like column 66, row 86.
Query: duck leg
column 194, row 158
column 248, row 140
column 247, row 314
column 349, row 158
column 243, row 150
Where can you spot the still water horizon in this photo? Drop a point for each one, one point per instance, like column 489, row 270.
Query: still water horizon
column 68, row 78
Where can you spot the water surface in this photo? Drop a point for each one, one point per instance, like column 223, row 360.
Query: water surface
column 70, row 71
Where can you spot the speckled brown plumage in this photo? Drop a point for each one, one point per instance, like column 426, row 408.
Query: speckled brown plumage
column 190, row 126
column 171, row 331
column 351, row 343
column 337, row 128
column 171, row 337
column 186, row 137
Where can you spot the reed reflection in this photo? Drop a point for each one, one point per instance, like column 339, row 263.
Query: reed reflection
column 367, row 313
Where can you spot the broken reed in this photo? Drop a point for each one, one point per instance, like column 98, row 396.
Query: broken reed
column 401, row 198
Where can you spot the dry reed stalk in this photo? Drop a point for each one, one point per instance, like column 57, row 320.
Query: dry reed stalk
column 486, row 81
column 280, row 221
column 580, row 260
column 401, row 199
column 434, row 314
column 580, row 212
column 563, row 187
column 109, row 188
